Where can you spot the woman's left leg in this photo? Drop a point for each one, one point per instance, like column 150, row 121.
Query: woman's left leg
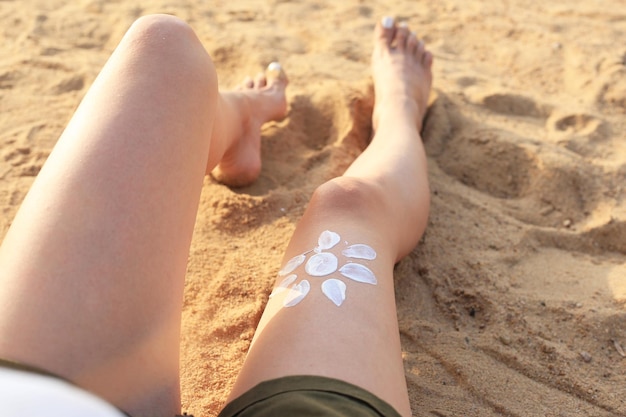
column 333, row 313
column 93, row 265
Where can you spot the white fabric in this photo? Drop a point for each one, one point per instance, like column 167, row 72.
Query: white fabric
column 26, row 394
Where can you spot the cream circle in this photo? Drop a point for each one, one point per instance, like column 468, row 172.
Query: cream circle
column 321, row 264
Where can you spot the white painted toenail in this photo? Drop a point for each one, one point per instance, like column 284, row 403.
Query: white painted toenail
column 404, row 25
column 387, row 22
column 274, row 66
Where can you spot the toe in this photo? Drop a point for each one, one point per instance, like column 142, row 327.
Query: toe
column 260, row 80
column 402, row 34
column 385, row 30
column 420, row 50
column 427, row 59
column 248, row 82
column 424, row 56
column 275, row 74
column 411, row 44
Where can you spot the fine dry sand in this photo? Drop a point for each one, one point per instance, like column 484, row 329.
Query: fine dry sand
column 513, row 304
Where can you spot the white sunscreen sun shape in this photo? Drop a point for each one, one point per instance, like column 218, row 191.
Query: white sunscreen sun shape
column 324, row 264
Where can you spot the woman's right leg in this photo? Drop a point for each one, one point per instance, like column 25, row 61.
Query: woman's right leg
column 381, row 201
column 92, row 269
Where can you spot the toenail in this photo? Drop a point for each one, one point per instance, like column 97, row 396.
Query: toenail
column 403, row 25
column 274, row 66
column 387, row 22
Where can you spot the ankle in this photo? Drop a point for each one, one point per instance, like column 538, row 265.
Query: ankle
column 396, row 109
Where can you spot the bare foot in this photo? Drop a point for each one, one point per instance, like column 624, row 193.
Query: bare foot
column 401, row 68
column 255, row 102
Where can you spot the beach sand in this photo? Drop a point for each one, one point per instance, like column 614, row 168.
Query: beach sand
column 514, row 303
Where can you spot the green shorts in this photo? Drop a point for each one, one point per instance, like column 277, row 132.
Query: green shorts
column 308, row 396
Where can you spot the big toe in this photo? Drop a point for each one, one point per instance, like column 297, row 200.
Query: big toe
column 275, row 74
column 385, row 31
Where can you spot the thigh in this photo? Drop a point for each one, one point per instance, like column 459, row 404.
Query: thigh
column 93, row 265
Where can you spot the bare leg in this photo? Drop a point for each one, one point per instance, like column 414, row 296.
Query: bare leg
column 382, row 201
column 93, row 265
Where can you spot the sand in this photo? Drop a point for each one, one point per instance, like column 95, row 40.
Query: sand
column 514, row 302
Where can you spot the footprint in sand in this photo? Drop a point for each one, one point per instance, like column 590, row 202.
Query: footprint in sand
column 502, row 102
column 582, row 133
column 69, row 84
column 576, row 123
column 535, row 183
column 514, row 105
column 490, row 161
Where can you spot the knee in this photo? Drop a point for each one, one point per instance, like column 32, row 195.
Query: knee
column 350, row 196
column 172, row 48
column 162, row 29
